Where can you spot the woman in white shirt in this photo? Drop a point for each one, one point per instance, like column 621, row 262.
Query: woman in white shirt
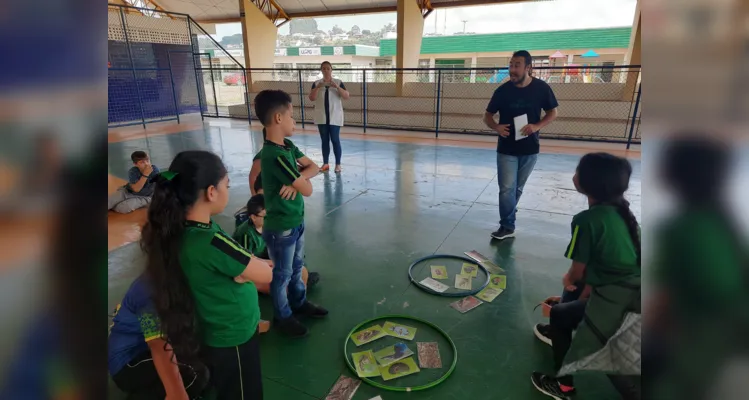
column 329, row 113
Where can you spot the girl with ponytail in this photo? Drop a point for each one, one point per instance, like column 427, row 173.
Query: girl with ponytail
column 198, row 275
column 605, row 275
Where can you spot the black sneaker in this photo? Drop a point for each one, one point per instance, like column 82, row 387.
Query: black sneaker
column 311, row 310
column 312, row 279
column 542, row 333
column 291, row 327
column 503, row 233
column 550, row 387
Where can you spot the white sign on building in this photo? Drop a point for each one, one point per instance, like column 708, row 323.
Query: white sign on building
column 309, row 51
column 281, row 52
column 337, row 51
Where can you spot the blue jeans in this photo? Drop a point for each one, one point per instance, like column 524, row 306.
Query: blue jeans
column 512, row 173
column 286, row 250
column 330, row 133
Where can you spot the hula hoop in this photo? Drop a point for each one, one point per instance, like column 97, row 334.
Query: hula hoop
column 461, row 294
column 396, row 388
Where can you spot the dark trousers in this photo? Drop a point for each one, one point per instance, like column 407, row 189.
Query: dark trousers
column 563, row 320
column 140, row 380
column 235, row 371
column 330, row 133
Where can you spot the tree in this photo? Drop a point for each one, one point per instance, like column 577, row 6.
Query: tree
column 233, row 39
column 390, row 27
column 355, row 30
column 366, row 32
column 336, row 30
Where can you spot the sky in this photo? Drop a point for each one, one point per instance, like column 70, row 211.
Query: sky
column 498, row 18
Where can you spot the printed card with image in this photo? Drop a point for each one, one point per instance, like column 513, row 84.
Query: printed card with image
column 343, row 389
column 434, row 285
column 489, row 294
column 463, row 281
column 470, row 269
column 393, row 353
column 439, row 272
column 399, row 330
column 365, row 363
column 367, row 335
column 498, row 281
column 429, row 355
column 466, row 304
column 399, row 368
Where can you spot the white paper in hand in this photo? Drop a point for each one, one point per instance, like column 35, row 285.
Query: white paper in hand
column 520, row 121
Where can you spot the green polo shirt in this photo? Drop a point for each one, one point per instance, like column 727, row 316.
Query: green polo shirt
column 228, row 312
column 257, row 156
column 250, row 239
column 278, row 167
column 601, row 241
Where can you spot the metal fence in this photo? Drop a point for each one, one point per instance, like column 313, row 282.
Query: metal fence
column 163, row 65
column 595, row 103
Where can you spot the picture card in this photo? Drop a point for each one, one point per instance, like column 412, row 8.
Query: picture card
column 485, row 262
column 399, row 368
column 498, row 281
column 470, row 269
column 439, row 272
column 489, row 294
column 429, row 355
column 343, row 389
column 367, row 335
column 391, row 354
column 466, row 304
column 399, row 330
column 463, row 281
column 366, row 365
column 434, row 285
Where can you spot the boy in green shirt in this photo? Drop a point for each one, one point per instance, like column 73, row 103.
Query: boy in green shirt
column 285, row 173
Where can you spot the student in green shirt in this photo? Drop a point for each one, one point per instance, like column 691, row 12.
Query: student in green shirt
column 255, row 170
column 250, row 235
column 200, row 276
column 285, row 172
column 605, row 271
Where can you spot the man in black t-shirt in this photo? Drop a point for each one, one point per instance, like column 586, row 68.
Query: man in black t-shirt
column 520, row 99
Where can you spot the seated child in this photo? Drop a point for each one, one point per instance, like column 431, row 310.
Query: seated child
column 604, row 277
column 141, row 362
column 139, row 189
column 250, row 235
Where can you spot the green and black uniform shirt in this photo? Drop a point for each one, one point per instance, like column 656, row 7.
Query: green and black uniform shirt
column 278, row 167
column 228, row 312
column 601, row 241
column 251, row 239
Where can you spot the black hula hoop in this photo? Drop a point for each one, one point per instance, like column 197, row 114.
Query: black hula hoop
column 399, row 388
column 464, row 259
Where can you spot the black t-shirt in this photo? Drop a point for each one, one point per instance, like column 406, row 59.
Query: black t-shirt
column 511, row 101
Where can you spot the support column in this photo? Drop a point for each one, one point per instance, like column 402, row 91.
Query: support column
column 474, row 61
column 432, row 73
column 259, row 35
column 633, row 56
column 408, row 43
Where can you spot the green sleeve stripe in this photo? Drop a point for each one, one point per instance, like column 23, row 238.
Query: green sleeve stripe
column 572, row 243
column 232, row 244
column 288, row 169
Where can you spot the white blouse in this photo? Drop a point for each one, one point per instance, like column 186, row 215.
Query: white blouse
column 328, row 105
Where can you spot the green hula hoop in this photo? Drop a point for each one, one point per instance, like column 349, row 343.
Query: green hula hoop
column 396, row 388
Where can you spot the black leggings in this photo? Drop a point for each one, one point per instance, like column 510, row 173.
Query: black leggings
column 235, row 371
column 140, row 380
column 563, row 320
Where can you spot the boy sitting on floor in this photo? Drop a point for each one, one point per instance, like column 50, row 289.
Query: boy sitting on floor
column 249, row 234
column 137, row 193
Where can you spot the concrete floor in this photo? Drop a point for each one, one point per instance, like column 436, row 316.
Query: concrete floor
column 393, row 203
